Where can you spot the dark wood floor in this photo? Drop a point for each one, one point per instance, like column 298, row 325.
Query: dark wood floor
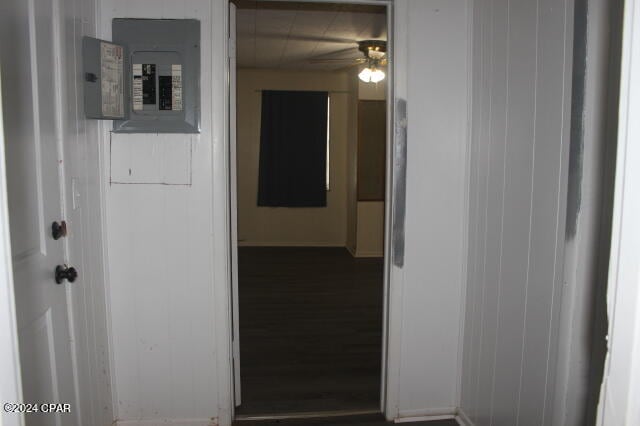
column 310, row 330
column 369, row 420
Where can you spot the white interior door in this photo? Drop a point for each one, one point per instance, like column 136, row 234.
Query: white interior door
column 233, row 179
column 32, row 120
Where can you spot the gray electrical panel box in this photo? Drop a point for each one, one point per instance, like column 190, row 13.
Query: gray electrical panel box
column 104, row 95
column 162, row 69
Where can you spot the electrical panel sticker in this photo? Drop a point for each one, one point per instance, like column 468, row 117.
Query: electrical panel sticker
column 111, row 69
column 176, row 87
column 143, row 85
column 137, row 87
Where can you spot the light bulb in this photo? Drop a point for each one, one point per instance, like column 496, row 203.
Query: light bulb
column 365, row 75
column 377, row 75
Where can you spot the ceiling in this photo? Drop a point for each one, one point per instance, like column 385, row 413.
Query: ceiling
column 294, row 35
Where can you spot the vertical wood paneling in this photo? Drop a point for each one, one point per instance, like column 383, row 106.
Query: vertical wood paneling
column 470, row 336
column 436, row 170
column 167, row 354
column 517, row 206
column 547, row 217
column 492, row 247
column 521, row 69
column 82, row 166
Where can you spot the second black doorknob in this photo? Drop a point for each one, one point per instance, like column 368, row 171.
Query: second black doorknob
column 65, row 273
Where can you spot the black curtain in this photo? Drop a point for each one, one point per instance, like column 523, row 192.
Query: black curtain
column 293, row 149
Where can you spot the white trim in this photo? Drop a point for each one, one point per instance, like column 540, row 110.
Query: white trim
column 463, row 419
column 388, row 201
column 168, row 422
column 233, row 206
column 427, row 413
column 11, row 384
column 103, row 30
column 219, row 204
column 620, row 395
column 424, row 418
column 368, row 254
column 393, row 277
column 466, row 196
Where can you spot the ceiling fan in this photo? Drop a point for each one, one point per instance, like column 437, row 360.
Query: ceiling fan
column 375, row 57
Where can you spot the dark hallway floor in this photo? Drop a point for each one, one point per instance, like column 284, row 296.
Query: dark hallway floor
column 368, row 420
column 310, row 330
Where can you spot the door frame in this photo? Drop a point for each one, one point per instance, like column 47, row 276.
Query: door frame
column 620, row 391
column 392, row 288
column 11, row 385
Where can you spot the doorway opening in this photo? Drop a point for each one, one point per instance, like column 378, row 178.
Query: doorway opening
column 308, row 196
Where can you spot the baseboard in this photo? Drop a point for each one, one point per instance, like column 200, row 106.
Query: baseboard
column 425, row 414
column 288, row 244
column 463, row 419
column 168, row 422
column 424, row 418
column 368, row 254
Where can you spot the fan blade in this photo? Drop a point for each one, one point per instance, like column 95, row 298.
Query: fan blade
column 336, row 60
column 346, row 67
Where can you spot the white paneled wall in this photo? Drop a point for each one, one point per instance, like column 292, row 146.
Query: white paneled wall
column 170, row 361
column 84, row 215
column 518, row 165
column 167, row 248
column 431, row 281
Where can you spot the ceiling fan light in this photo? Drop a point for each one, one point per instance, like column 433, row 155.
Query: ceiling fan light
column 365, row 75
column 377, row 76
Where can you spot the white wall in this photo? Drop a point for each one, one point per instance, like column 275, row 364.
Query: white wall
column 84, row 217
column 522, row 55
column 431, row 36
column 167, row 246
column 167, row 265
column 281, row 226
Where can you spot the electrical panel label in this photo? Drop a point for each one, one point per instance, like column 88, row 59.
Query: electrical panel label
column 164, row 85
column 144, row 85
column 149, row 84
column 137, row 87
column 176, row 87
column 111, row 70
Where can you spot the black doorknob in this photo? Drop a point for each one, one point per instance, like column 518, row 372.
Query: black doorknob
column 65, row 273
column 58, row 230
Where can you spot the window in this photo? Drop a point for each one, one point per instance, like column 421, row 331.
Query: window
column 294, row 148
